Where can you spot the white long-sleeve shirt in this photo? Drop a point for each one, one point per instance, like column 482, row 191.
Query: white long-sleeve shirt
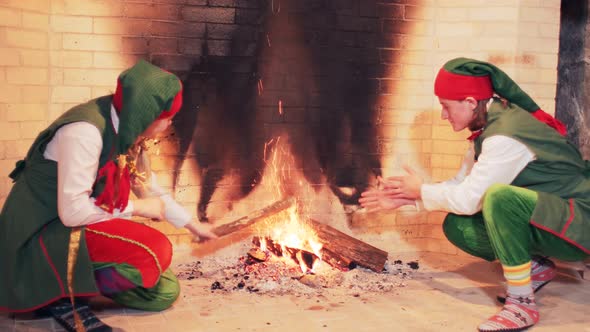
column 501, row 160
column 76, row 148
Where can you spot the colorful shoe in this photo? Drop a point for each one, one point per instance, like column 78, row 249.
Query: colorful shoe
column 518, row 314
column 542, row 272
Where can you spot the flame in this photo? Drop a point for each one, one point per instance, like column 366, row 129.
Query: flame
column 291, row 231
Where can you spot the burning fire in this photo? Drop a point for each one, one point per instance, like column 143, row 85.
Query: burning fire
column 290, row 233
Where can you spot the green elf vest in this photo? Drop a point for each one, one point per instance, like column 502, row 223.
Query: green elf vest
column 33, row 240
column 559, row 174
column 34, row 243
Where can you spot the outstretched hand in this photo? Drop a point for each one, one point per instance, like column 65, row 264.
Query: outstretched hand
column 380, row 199
column 201, row 231
column 404, row 187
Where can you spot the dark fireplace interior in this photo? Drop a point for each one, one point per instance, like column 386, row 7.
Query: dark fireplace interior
column 309, row 72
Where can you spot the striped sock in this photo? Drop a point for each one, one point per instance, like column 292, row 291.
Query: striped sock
column 520, row 311
column 519, row 279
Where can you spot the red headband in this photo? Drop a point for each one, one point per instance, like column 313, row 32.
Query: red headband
column 174, row 108
column 453, row 86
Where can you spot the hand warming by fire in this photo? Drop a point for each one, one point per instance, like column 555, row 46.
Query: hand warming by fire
column 393, row 192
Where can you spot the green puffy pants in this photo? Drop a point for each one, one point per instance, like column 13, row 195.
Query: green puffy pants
column 502, row 230
column 156, row 298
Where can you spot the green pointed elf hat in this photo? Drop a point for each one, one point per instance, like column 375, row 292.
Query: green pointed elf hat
column 460, row 78
column 144, row 93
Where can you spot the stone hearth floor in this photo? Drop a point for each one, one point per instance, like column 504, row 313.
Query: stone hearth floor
column 447, row 293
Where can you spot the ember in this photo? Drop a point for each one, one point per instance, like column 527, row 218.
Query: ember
column 235, row 271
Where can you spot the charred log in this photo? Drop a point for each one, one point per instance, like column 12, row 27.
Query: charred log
column 254, row 217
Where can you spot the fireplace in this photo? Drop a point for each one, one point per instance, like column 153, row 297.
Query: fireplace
column 341, row 88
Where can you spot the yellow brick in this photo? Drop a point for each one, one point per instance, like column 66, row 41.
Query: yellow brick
column 493, row 44
column 95, row 7
column 414, row 57
column 108, row 26
column 4, row 145
column 78, row 24
column 446, row 161
column 121, row 26
column 70, row 94
column 450, row 147
column 419, row 103
column 9, row 131
column 18, row 149
column 10, row 57
column 417, row 72
column 71, row 59
column 55, row 110
column 450, row 43
column 419, row 132
column 440, row 174
column 418, row 43
column 549, row 30
column 446, row 132
column 33, row 5
column 31, row 76
column 25, row 112
column 186, row 195
column 540, row 15
column 436, row 217
column 35, row 58
column 36, row 21
column 418, row 12
column 387, row 131
column 547, row 104
column 419, row 28
column 555, row 4
column 455, row 29
column 113, row 60
column 88, row 42
column 30, row 129
column 91, row 77
column 6, row 166
column 536, row 75
column 528, row 29
column 452, row 14
column 102, row 91
column 548, row 61
column 56, row 76
column 10, row 94
column 427, row 146
column 35, row 94
column 530, row 3
column 498, row 14
column 493, row 29
column 539, row 90
column 415, row 87
column 539, row 45
column 10, row 17
column 460, row 3
column 26, row 39
column 56, row 41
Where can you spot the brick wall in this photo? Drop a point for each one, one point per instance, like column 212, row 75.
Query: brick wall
column 310, row 55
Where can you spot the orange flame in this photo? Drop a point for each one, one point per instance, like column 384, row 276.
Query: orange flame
column 292, row 231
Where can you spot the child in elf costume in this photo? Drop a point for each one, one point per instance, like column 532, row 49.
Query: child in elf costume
column 64, row 228
column 521, row 195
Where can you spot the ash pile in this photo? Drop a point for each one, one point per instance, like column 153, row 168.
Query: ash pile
column 243, row 268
